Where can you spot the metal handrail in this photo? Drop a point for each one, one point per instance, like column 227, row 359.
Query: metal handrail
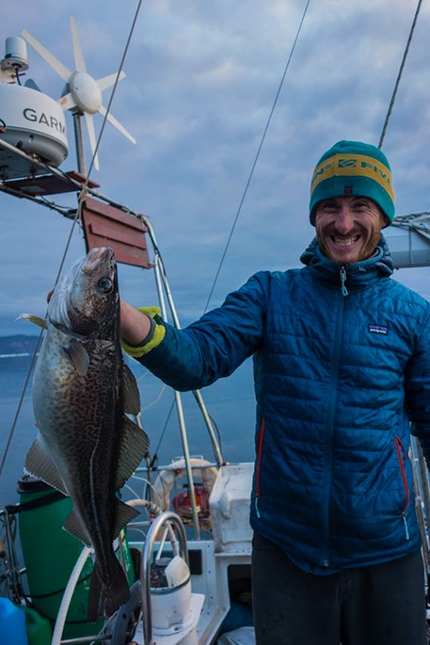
column 422, row 501
column 168, row 517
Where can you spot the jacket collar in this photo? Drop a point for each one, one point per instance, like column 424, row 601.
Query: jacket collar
column 358, row 275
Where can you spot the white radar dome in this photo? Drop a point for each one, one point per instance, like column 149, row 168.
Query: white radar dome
column 32, row 122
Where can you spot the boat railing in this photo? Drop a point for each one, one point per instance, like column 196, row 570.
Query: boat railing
column 166, row 519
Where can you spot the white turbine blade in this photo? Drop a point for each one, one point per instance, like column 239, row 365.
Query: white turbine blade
column 66, row 102
column 46, row 55
column 116, row 124
column 107, row 81
column 92, row 137
column 77, row 47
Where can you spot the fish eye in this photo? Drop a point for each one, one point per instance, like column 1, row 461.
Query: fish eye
column 105, row 285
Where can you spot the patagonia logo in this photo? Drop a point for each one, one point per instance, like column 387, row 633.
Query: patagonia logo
column 378, row 329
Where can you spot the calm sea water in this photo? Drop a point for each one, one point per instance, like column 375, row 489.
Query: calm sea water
column 230, row 403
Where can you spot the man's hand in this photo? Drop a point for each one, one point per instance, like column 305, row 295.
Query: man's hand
column 135, row 325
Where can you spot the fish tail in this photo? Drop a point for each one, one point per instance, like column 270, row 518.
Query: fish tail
column 107, row 594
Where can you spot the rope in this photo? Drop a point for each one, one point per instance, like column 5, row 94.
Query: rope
column 257, row 156
column 399, row 75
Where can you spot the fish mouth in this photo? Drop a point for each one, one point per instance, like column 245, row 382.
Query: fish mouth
column 96, row 256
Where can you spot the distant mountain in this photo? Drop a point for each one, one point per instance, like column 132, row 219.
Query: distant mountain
column 18, row 344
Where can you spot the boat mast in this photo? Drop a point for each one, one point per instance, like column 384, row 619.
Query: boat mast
column 79, row 143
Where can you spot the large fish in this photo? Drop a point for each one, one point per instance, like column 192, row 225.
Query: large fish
column 87, row 447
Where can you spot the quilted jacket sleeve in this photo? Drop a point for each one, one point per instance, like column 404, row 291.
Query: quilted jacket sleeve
column 215, row 345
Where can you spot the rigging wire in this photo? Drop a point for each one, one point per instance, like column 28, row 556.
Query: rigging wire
column 83, row 192
column 163, row 432
column 84, row 189
column 399, row 76
column 257, row 156
column 69, row 240
column 21, row 401
column 121, row 65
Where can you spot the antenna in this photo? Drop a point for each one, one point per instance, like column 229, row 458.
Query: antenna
column 15, row 60
column 83, row 93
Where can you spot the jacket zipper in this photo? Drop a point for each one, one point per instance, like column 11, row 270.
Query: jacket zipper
column 343, row 279
column 330, row 428
column 401, row 456
column 330, row 417
column 258, row 469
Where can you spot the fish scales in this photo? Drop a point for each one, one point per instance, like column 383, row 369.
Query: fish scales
column 81, row 391
column 88, row 417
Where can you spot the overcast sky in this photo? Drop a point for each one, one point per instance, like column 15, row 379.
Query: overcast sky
column 201, row 81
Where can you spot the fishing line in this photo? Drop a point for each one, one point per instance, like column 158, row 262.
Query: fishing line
column 257, row 155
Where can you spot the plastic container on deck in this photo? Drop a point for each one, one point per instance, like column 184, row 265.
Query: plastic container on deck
column 50, row 554
column 241, row 636
column 12, row 623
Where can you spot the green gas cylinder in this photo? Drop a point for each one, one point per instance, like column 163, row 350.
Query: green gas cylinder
column 50, row 554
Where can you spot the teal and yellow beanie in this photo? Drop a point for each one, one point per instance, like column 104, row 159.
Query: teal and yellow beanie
column 353, row 168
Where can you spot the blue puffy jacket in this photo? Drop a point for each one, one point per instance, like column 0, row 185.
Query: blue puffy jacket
column 339, row 375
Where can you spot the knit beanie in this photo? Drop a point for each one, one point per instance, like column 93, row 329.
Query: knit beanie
column 353, row 168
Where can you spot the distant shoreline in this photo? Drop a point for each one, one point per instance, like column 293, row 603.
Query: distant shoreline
column 17, row 346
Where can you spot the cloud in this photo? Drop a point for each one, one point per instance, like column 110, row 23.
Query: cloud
column 201, row 82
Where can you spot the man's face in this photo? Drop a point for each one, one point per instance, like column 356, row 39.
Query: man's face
column 348, row 228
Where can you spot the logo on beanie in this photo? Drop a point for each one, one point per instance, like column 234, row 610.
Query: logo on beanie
column 342, row 163
column 347, row 191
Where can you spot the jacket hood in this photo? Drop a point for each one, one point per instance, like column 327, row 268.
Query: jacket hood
column 359, row 274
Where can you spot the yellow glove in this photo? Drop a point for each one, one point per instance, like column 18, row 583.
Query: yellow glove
column 153, row 339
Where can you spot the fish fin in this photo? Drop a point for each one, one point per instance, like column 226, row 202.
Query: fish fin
column 131, row 391
column 107, row 595
column 133, row 447
column 75, row 527
column 36, row 320
column 40, row 464
column 79, row 356
column 124, row 514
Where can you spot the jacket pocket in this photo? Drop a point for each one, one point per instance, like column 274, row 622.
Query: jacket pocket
column 402, row 458
column 260, row 440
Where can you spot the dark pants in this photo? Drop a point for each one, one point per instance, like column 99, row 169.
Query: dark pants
column 378, row 605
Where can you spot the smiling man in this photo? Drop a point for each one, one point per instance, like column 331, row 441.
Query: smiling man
column 341, row 357
column 352, row 199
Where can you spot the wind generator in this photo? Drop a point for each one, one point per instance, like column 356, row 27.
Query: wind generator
column 82, row 94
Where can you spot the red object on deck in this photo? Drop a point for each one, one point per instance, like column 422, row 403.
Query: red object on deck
column 182, row 502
